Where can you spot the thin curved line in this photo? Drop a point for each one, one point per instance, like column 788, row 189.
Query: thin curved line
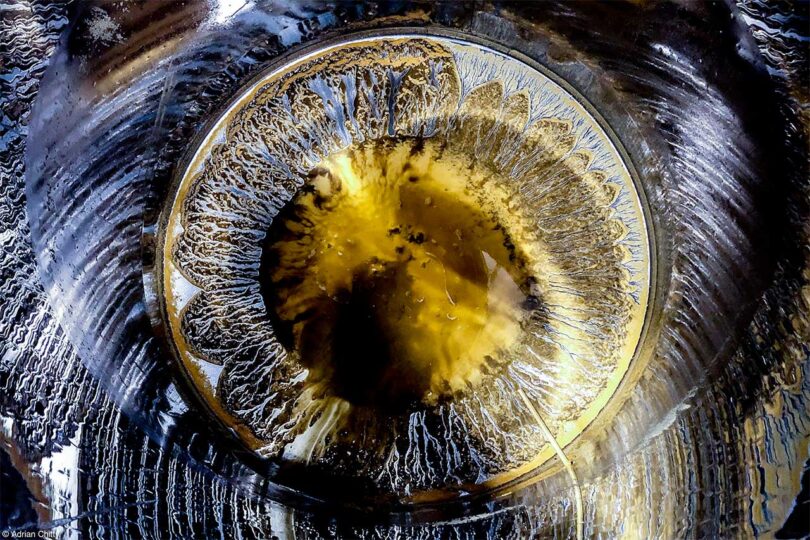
column 565, row 461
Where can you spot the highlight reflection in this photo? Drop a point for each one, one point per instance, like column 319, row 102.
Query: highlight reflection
column 712, row 438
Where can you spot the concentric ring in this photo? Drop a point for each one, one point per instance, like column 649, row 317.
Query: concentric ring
column 568, row 199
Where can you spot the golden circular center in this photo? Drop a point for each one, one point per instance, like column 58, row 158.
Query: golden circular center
column 391, row 279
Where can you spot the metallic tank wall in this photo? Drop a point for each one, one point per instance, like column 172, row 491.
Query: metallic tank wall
column 709, row 434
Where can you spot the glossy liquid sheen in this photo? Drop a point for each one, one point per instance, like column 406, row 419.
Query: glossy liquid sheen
column 391, row 279
column 390, row 257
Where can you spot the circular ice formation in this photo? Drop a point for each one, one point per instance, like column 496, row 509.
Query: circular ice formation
column 535, row 155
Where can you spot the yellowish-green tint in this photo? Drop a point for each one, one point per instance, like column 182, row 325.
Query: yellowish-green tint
column 397, row 282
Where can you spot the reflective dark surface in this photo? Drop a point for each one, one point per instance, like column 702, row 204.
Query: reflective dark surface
column 708, row 435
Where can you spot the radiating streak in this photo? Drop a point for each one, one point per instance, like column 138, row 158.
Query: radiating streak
column 563, row 459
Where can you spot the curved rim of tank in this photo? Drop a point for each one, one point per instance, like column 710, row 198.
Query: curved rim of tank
column 156, row 216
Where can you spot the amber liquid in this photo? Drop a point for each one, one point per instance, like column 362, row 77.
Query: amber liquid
column 392, row 279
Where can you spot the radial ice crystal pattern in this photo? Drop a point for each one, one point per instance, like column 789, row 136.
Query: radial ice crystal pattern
column 382, row 243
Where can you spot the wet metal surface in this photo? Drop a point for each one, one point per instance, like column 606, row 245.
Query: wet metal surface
column 708, row 433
